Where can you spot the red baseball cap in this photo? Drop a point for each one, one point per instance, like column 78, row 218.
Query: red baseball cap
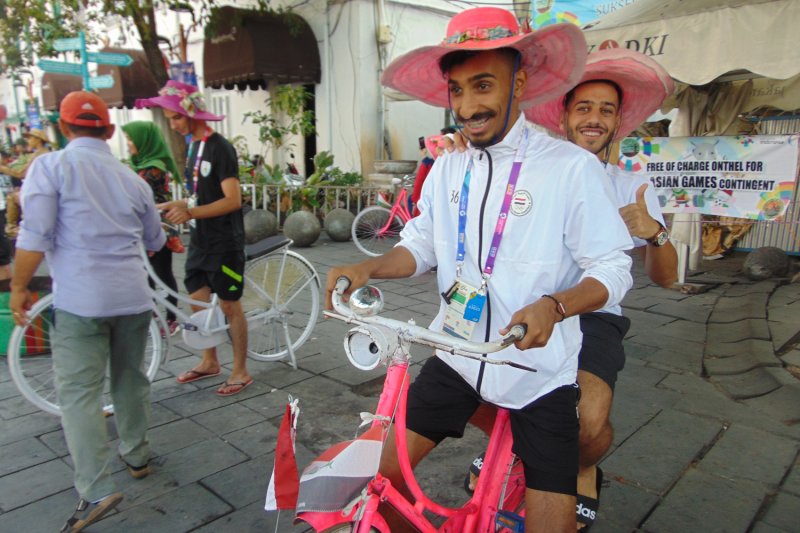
column 83, row 108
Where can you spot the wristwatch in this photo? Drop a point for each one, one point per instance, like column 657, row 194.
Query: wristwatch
column 660, row 238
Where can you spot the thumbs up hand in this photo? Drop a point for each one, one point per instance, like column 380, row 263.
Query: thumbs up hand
column 637, row 219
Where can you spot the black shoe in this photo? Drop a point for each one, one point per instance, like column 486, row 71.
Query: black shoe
column 88, row 513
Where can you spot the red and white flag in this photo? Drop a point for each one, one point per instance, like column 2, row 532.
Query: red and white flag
column 285, row 481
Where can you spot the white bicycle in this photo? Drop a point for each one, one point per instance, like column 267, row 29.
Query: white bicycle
column 280, row 301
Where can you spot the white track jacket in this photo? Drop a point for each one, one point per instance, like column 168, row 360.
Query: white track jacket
column 562, row 227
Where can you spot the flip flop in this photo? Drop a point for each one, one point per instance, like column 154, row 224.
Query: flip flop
column 195, row 375
column 586, row 507
column 230, row 388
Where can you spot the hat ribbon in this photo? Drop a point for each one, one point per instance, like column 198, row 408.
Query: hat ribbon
column 479, row 34
column 190, row 102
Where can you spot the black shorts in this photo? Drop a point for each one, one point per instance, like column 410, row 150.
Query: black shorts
column 602, row 353
column 440, row 403
column 222, row 273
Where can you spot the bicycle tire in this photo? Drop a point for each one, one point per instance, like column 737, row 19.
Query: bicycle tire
column 366, row 231
column 280, row 299
column 30, row 357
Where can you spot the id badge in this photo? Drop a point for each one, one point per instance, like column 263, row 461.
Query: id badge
column 463, row 311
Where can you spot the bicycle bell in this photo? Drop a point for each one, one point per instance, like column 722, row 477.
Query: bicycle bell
column 366, row 301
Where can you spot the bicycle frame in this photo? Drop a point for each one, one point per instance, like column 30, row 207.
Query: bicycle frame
column 400, row 208
column 501, row 477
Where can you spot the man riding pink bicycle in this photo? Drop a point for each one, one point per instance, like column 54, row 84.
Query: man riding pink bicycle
column 522, row 232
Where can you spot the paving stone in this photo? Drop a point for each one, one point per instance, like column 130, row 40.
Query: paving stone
column 169, row 388
column 641, row 374
column 244, row 483
column 160, row 415
column 185, row 509
column 656, row 339
column 740, row 454
column 30, row 425
column 170, row 437
column 635, row 406
column 747, row 346
column 8, row 389
column 792, row 358
column 732, row 309
column 784, row 334
column 351, row 375
column 660, row 293
column 635, row 350
column 782, row 513
column 737, row 331
column 682, row 310
column 200, row 401
column 322, row 362
column 781, row 404
column 682, row 360
column 683, row 330
column 623, row 506
column 782, row 375
column 200, row 460
column 34, row 483
column 647, row 320
column 254, row 519
column 739, row 364
column 274, row 375
column 55, row 442
column 255, row 440
column 756, row 382
column 742, row 288
column 45, row 515
column 23, row 454
column 761, row 527
column 228, row 418
column 655, row 456
column 272, row 404
column 688, row 506
column 635, row 301
column 792, row 482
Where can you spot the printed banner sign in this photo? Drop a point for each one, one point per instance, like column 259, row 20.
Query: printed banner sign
column 744, row 176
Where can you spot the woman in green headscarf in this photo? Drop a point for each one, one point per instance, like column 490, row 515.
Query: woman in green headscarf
column 152, row 160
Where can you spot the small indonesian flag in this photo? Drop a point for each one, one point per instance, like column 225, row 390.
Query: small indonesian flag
column 285, row 482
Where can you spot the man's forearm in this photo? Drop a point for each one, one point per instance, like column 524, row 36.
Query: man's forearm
column 398, row 262
column 221, row 207
column 587, row 296
column 25, row 264
column 661, row 264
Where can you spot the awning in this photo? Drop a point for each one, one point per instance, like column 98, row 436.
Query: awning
column 130, row 83
column 56, row 86
column 250, row 48
column 700, row 40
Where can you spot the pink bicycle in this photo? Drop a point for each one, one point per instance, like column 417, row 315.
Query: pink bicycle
column 377, row 228
column 342, row 489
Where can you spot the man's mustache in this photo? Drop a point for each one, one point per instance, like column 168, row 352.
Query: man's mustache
column 477, row 116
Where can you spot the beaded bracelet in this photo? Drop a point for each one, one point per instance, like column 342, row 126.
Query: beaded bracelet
column 560, row 309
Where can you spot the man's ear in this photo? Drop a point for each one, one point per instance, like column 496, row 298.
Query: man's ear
column 110, row 129
column 64, row 129
column 520, row 82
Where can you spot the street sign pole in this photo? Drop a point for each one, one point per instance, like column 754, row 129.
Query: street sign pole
column 84, row 62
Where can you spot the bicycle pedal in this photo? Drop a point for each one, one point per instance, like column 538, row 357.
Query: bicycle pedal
column 511, row 521
column 188, row 326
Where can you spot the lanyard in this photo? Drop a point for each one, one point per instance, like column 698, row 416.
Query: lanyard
column 500, row 226
column 198, row 159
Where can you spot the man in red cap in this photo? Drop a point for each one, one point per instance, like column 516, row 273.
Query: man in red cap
column 514, row 223
column 89, row 215
column 215, row 261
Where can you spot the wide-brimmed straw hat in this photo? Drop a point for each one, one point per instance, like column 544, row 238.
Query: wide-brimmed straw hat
column 38, row 134
column 553, row 56
column 644, row 83
column 181, row 98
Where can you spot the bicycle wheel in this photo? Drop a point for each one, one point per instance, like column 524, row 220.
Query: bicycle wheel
column 368, row 233
column 30, row 357
column 281, row 303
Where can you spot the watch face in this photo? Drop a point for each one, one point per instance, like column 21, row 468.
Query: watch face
column 661, row 238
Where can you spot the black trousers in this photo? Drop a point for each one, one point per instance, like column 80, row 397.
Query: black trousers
column 161, row 261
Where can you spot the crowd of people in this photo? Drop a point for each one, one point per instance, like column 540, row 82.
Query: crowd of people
column 531, row 229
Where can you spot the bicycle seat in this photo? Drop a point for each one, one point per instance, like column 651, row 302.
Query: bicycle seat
column 265, row 246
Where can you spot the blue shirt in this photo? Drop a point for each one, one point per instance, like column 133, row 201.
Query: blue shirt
column 90, row 214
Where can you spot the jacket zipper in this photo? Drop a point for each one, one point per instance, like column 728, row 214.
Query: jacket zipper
column 480, row 268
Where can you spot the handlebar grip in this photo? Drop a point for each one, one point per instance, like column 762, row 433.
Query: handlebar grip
column 516, row 333
column 342, row 283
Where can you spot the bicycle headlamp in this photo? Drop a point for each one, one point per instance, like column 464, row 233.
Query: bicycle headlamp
column 368, row 346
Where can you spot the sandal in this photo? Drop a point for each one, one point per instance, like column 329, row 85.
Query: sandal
column 474, row 470
column 195, row 375
column 88, row 513
column 586, row 508
column 229, row 388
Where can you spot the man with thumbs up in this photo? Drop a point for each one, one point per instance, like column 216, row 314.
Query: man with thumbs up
column 618, row 91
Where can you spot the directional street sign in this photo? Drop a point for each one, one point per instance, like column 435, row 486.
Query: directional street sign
column 109, row 58
column 63, row 45
column 101, row 82
column 59, row 67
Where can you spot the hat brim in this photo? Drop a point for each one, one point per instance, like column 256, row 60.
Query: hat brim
column 644, row 83
column 37, row 136
column 170, row 103
column 554, row 58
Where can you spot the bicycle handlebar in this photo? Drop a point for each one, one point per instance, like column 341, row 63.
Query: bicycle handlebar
column 418, row 335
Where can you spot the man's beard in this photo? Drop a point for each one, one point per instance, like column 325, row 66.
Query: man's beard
column 487, row 115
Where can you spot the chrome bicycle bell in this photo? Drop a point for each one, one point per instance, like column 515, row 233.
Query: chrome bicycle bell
column 366, row 301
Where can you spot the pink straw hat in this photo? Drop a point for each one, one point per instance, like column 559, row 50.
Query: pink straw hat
column 180, row 98
column 553, row 56
column 644, row 83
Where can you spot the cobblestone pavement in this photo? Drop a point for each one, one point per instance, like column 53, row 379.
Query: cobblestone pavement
column 706, row 416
